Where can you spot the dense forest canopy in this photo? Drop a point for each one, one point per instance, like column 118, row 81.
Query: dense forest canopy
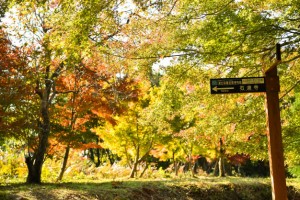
column 126, row 82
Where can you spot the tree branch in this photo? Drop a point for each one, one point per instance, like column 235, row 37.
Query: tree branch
column 57, row 71
column 37, row 89
column 288, row 91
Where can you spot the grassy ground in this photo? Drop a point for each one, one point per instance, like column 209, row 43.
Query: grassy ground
column 161, row 189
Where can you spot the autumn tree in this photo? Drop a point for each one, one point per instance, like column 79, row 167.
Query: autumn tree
column 16, row 105
column 133, row 136
column 237, row 39
column 94, row 92
column 172, row 110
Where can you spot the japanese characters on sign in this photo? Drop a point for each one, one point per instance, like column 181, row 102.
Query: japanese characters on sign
column 237, row 85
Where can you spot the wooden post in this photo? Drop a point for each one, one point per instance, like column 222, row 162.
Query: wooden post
column 277, row 170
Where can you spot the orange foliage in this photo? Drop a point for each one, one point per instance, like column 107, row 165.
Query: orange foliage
column 14, row 87
column 90, row 145
column 91, row 88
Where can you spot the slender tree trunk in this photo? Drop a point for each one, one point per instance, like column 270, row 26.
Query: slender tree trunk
column 91, row 155
column 176, row 167
column 111, row 157
column 221, row 160
column 175, row 164
column 144, row 170
column 191, row 164
column 137, row 157
column 67, row 152
column 135, row 164
column 216, row 168
column 134, row 169
column 228, row 168
column 64, row 164
column 195, row 168
column 189, row 167
column 129, row 163
column 98, row 162
column 221, row 167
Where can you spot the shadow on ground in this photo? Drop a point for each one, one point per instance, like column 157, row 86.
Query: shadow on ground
column 143, row 190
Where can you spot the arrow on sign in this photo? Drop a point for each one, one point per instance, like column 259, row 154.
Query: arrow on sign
column 216, row 88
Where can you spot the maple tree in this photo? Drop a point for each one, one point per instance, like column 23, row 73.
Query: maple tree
column 93, row 93
column 131, row 137
column 15, row 89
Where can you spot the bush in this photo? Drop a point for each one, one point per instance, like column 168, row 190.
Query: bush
column 294, row 171
column 12, row 164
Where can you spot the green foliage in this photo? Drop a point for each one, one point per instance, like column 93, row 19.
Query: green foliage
column 295, row 170
column 291, row 131
column 3, row 7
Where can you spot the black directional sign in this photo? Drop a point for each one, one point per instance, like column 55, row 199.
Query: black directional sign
column 237, row 85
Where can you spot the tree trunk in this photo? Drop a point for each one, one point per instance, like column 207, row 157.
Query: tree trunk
column 64, row 165
column 194, row 169
column 35, row 163
column 191, row 166
column 134, row 169
column 73, row 119
column 91, row 155
column 46, row 94
column 31, row 177
column 135, row 164
column 176, row 167
column 216, row 168
column 98, row 161
column 227, row 167
column 221, row 160
column 144, row 170
column 175, row 164
column 221, row 167
column 129, row 163
column 111, row 157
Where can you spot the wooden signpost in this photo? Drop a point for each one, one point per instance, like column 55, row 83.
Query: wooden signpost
column 270, row 85
column 237, row 85
column 277, row 171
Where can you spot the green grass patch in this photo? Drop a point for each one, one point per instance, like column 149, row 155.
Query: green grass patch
column 139, row 189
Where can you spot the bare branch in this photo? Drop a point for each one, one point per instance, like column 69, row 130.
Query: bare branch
column 288, row 91
column 57, row 71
